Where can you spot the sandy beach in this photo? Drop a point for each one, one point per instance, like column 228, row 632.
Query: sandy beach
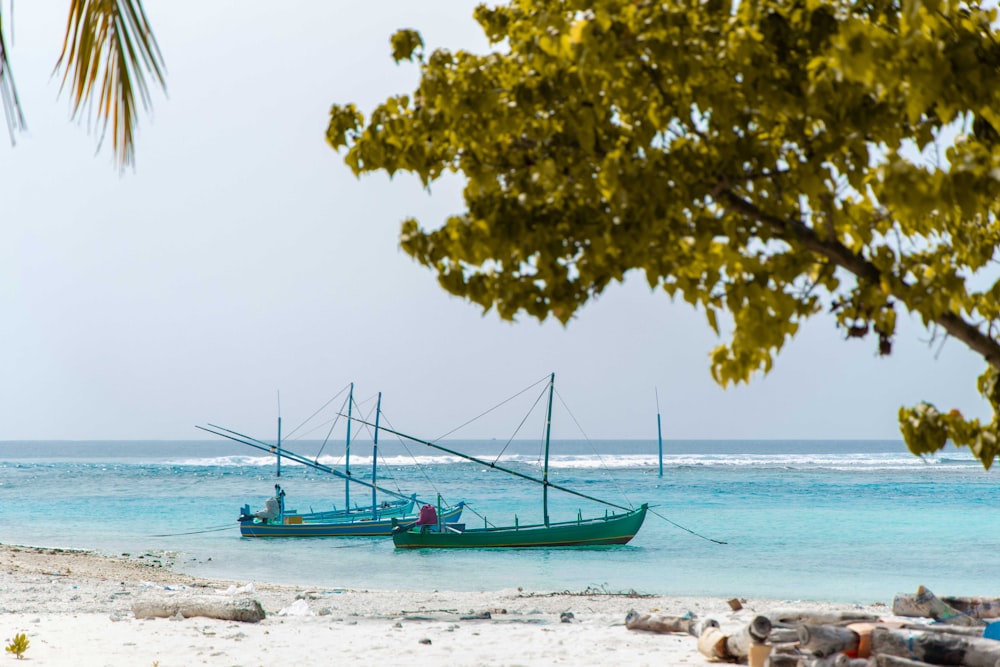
column 76, row 609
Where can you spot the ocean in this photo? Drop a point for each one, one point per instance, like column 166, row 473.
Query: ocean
column 845, row 521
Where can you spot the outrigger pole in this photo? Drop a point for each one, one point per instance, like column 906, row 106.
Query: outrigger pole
column 298, row 458
column 491, row 464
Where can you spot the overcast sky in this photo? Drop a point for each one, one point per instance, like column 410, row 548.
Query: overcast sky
column 242, row 259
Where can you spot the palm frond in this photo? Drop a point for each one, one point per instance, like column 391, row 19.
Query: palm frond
column 107, row 52
column 8, row 93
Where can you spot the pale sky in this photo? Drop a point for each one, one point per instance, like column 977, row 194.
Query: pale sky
column 241, row 258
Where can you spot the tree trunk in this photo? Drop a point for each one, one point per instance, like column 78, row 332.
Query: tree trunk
column 822, row 640
column 223, row 607
column 936, row 648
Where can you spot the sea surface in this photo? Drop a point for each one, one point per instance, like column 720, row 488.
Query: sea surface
column 846, row 521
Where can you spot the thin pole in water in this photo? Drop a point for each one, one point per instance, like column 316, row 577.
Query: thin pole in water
column 347, row 449
column 378, row 410
column 659, row 431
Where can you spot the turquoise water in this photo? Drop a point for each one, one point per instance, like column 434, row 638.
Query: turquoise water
column 846, row 521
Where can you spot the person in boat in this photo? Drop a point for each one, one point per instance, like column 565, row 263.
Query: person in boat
column 272, row 506
column 428, row 517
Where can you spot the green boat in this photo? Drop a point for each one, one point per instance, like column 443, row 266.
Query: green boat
column 602, row 531
column 610, row 529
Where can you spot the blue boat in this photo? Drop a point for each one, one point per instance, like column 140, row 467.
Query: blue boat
column 274, row 521
column 376, row 519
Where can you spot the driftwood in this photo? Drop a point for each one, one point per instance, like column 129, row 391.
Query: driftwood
column 834, row 660
column 895, row 661
column 927, row 605
column 661, row 624
column 783, row 636
column 754, row 632
column 806, row 616
column 713, row 643
column 823, row 640
column 784, row 660
column 936, row 648
column 978, row 607
column 925, row 602
column 807, row 638
column 224, row 607
column 967, row 631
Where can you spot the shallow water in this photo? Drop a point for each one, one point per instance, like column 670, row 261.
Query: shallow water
column 844, row 521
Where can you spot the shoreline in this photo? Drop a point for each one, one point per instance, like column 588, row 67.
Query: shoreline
column 75, row 607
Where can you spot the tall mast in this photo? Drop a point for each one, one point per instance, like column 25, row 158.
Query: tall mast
column 378, row 410
column 278, row 450
column 475, row 459
column 545, row 469
column 659, row 433
column 347, row 449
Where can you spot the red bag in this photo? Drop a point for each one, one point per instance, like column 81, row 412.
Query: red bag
column 428, row 516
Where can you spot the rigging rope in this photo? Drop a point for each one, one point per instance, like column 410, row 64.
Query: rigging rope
column 677, row 525
column 423, row 472
column 215, row 529
column 292, row 432
column 498, row 405
column 523, row 420
column 333, row 425
column 593, row 449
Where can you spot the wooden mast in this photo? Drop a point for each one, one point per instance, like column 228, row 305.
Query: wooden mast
column 378, row 410
column 347, row 450
column 488, row 464
column 545, row 470
column 278, row 450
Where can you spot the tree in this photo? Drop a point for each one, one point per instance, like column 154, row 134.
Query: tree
column 764, row 160
column 107, row 41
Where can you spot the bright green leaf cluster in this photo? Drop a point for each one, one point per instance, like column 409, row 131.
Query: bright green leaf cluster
column 18, row 645
column 764, row 161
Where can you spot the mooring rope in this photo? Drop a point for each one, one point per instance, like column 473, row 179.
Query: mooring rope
column 214, row 529
column 674, row 523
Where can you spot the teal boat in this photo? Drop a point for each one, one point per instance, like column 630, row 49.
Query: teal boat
column 376, row 519
column 610, row 529
column 378, row 523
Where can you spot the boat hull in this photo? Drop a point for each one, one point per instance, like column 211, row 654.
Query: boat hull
column 357, row 528
column 392, row 508
column 603, row 531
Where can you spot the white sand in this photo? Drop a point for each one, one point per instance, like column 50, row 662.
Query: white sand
column 76, row 610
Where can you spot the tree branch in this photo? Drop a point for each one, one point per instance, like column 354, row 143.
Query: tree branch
column 843, row 257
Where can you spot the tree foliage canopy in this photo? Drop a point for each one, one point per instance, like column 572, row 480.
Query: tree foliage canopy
column 763, row 160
